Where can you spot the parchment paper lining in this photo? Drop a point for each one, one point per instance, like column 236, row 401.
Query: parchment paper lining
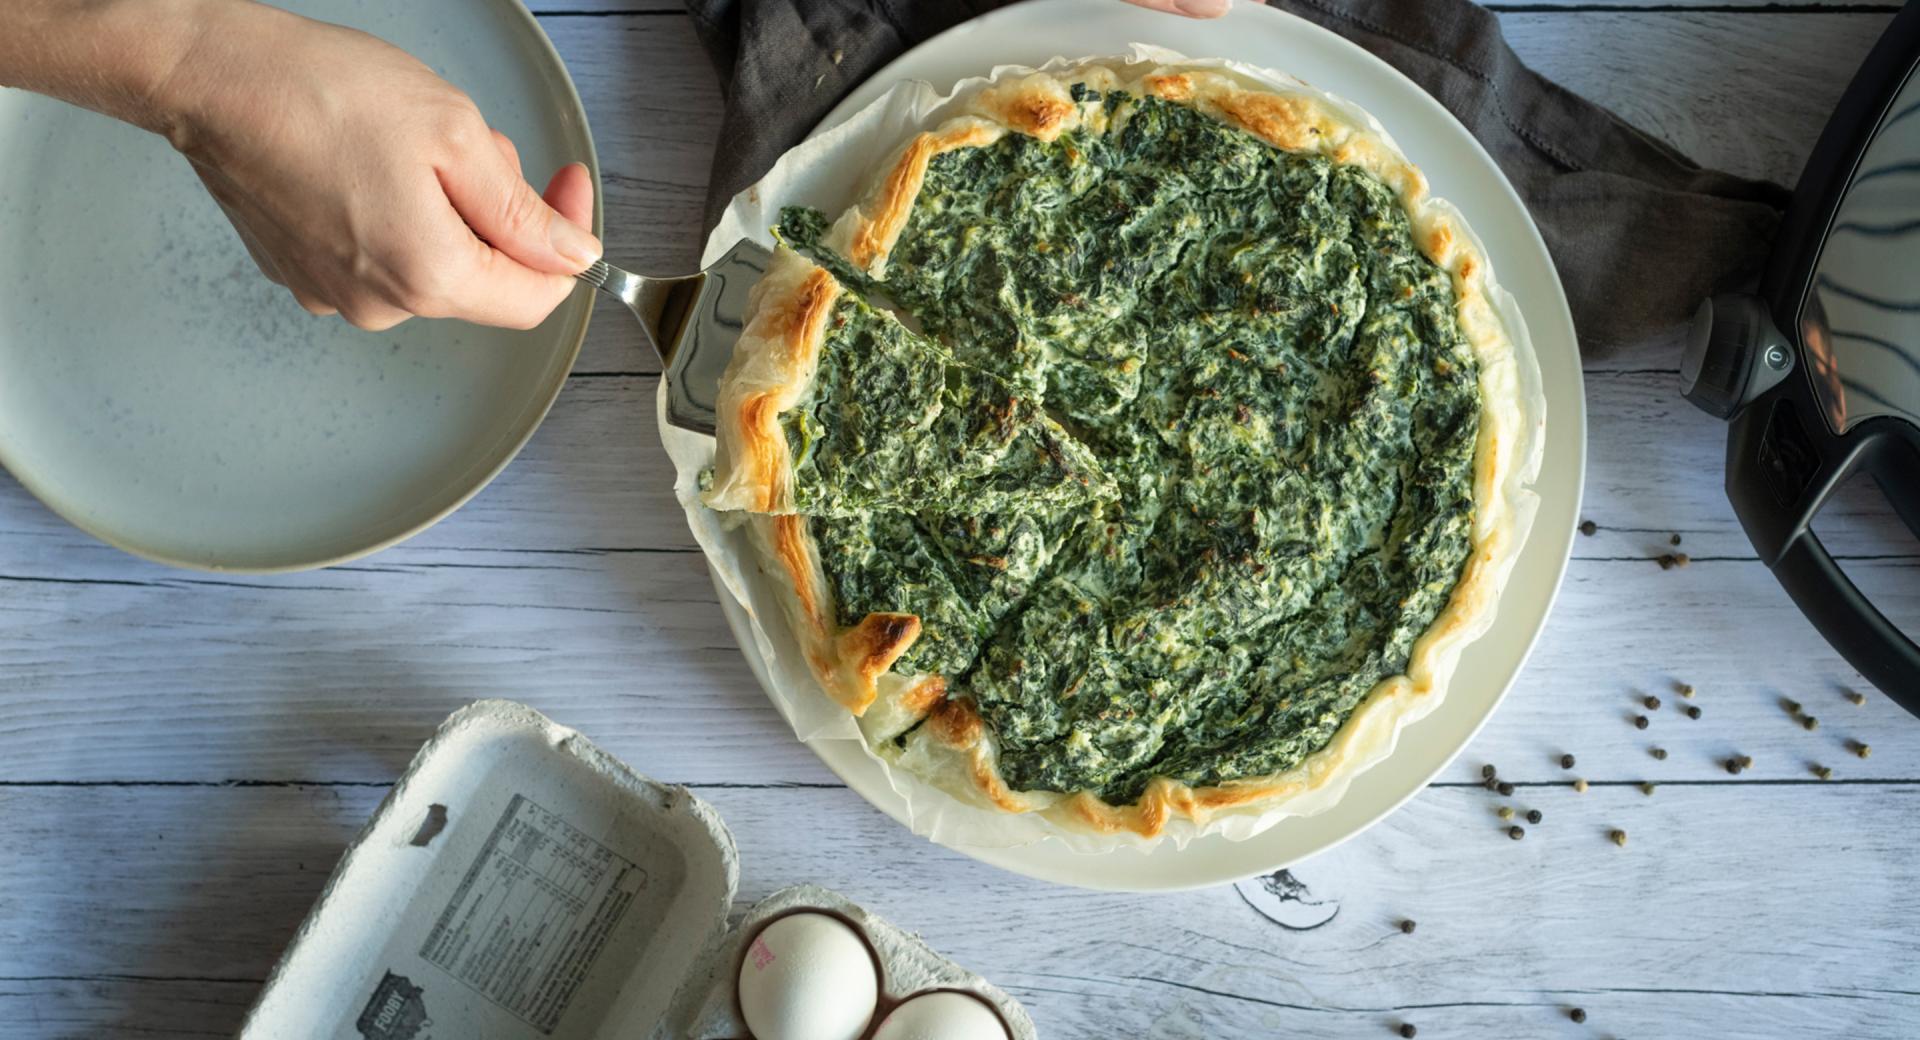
column 829, row 172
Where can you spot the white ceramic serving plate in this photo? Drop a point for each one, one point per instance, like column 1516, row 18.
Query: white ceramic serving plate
column 159, row 393
column 1460, row 171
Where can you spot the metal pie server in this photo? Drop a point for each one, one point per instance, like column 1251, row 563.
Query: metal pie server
column 692, row 322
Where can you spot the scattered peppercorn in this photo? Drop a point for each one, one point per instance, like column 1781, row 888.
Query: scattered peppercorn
column 1810, row 724
column 1646, row 787
column 1652, row 703
column 1823, row 772
column 1490, row 784
column 1407, row 1030
column 1746, row 761
column 1659, row 753
column 1505, row 812
column 1407, row 926
column 1619, row 838
column 1580, row 786
column 1856, row 697
column 1487, row 772
column 1693, row 711
column 1861, row 749
column 1566, row 761
column 1790, row 706
column 1535, row 816
column 1505, row 788
column 1667, row 561
column 1580, row 1014
column 1516, row 832
column 1681, row 559
column 1587, row 527
column 1675, row 540
column 1640, row 722
column 1685, row 690
column 1734, row 766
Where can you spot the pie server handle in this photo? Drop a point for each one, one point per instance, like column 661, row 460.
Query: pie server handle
column 691, row 322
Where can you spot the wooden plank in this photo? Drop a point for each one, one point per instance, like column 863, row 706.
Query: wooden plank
column 39, row 1008
column 1737, row 91
column 1657, row 938
column 339, row 676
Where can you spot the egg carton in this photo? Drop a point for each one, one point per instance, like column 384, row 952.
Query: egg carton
column 519, row 883
column 908, row 967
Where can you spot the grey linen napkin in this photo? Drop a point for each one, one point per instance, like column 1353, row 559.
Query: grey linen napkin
column 1639, row 232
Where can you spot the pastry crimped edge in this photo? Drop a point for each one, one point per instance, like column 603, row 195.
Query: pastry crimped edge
column 772, row 370
column 954, row 749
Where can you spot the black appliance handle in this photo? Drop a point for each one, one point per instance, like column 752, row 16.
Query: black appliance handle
column 1863, row 635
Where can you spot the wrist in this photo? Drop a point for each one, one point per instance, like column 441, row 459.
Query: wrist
column 112, row 56
column 176, row 61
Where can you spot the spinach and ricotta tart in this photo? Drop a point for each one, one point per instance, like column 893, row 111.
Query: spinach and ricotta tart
column 1185, row 483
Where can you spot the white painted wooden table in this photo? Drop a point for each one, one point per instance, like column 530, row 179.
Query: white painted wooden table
column 182, row 756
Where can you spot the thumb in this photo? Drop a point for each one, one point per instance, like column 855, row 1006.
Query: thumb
column 489, row 193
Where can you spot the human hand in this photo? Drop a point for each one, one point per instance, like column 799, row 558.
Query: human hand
column 363, row 182
column 1190, row 8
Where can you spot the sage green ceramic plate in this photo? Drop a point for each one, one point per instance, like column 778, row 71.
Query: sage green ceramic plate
column 160, row 394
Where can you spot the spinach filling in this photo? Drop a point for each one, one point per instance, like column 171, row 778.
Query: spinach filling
column 1275, row 381
column 894, row 423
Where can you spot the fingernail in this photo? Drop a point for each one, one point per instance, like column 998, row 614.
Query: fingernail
column 572, row 241
column 1202, row 8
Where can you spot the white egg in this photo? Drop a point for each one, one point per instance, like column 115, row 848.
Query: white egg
column 942, row 1016
column 808, row 977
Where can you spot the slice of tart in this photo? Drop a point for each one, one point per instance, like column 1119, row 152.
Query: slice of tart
column 831, row 407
